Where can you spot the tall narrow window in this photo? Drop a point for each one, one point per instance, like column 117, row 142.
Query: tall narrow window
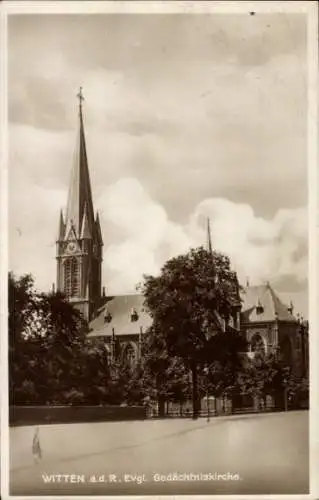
column 75, row 278
column 71, row 277
column 130, row 355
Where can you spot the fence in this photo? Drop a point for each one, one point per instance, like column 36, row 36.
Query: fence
column 41, row 415
column 225, row 406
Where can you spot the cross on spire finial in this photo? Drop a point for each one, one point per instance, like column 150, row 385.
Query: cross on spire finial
column 80, row 97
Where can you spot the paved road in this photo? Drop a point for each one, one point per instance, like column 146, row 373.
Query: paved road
column 259, row 454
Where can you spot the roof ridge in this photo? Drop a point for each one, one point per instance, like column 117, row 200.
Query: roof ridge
column 276, row 297
column 273, row 297
column 273, row 306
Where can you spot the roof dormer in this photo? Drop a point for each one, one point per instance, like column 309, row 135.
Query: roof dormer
column 259, row 307
column 134, row 315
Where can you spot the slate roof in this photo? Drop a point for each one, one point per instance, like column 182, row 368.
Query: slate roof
column 120, row 307
column 80, row 194
column 79, row 212
column 271, row 309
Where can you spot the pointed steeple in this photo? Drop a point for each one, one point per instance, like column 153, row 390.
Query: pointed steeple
column 85, row 229
column 61, row 232
column 79, row 247
column 98, row 229
column 209, row 240
column 80, row 193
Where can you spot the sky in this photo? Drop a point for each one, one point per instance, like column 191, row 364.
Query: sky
column 186, row 117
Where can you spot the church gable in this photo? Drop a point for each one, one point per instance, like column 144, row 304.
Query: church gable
column 70, row 234
column 260, row 304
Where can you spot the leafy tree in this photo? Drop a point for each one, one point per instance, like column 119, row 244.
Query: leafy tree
column 22, row 354
column 95, row 379
column 225, row 359
column 265, row 374
column 135, row 388
column 62, row 341
column 120, row 382
column 164, row 377
column 260, row 375
column 228, row 352
column 189, row 302
column 50, row 361
column 300, row 393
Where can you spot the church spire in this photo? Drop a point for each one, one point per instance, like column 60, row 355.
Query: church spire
column 79, row 245
column 209, row 247
column 80, row 194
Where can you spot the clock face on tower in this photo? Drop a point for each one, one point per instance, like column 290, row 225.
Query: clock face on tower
column 71, row 248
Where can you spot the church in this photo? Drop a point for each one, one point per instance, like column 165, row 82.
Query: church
column 263, row 319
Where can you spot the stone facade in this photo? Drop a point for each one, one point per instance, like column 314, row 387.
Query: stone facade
column 268, row 323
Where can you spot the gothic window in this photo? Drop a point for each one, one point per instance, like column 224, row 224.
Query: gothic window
column 257, row 344
column 71, row 277
column 130, row 355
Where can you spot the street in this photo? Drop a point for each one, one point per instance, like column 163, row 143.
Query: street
column 251, row 454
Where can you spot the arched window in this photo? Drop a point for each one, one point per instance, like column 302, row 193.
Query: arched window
column 71, row 277
column 257, row 344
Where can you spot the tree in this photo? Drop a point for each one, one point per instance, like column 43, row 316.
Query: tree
column 301, row 393
column 61, row 339
column 50, row 359
column 189, row 302
column 265, row 374
column 164, row 377
column 123, row 383
column 95, row 380
column 22, row 354
column 136, row 389
column 228, row 352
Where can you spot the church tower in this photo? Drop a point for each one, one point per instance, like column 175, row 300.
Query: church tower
column 79, row 242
